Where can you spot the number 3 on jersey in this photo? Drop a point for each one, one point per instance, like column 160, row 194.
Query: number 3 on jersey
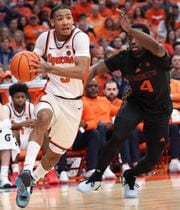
column 146, row 86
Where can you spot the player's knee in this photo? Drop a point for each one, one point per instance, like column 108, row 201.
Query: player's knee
column 44, row 118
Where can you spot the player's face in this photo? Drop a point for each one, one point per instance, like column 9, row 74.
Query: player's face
column 63, row 23
column 111, row 91
column 135, row 46
column 19, row 99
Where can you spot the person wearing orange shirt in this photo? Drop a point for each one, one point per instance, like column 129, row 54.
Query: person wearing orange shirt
column 33, row 30
column 88, row 137
column 129, row 152
column 155, row 14
column 104, row 111
column 174, row 128
column 95, row 18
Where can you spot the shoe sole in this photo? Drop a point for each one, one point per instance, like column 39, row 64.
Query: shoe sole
column 22, row 182
column 88, row 191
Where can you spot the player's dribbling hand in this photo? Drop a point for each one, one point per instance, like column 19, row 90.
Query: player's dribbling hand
column 40, row 66
column 123, row 20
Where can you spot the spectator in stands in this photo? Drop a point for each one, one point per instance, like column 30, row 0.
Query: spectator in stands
column 104, row 111
column 86, row 27
column 4, row 34
column 176, row 47
column 138, row 16
column 95, row 18
column 117, row 44
column 22, row 22
column 33, row 29
column 23, row 9
column 88, row 137
column 104, row 10
column 166, row 25
column 175, row 65
column 130, row 150
column 81, row 7
column 3, row 11
column 6, row 53
column 107, row 29
column 13, row 27
column 19, row 41
column 12, row 14
column 174, row 134
column 6, row 77
column 155, row 14
column 121, row 82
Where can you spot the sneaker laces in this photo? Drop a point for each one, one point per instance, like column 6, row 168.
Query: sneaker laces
column 131, row 183
column 95, row 177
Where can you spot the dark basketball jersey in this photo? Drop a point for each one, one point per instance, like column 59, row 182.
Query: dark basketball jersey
column 148, row 76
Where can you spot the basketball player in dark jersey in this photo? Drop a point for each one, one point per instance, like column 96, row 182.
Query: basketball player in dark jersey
column 146, row 65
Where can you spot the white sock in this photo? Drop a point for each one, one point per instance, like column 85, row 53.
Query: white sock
column 31, row 155
column 4, row 171
column 15, row 167
column 39, row 172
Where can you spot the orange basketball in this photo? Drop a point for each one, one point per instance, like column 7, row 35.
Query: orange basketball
column 20, row 66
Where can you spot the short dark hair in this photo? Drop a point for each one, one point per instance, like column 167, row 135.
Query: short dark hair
column 18, row 88
column 56, row 8
column 144, row 28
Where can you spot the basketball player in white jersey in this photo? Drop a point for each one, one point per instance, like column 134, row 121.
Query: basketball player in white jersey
column 8, row 143
column 59, row 110
column 21, row 114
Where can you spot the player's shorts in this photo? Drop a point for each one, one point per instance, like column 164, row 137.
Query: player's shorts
column 65, row 121
column 8, row 142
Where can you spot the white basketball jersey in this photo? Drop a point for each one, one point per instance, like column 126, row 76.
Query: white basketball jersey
column 26, row 114
column 62, row 54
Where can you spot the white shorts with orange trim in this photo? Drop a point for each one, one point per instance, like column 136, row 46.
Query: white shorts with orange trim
column 65, row 121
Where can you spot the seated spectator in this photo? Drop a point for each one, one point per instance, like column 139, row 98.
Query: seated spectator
column 175, row 67
column 121, row 82
column 6, row 77
column 174, row 130
column 88, row 137
column 166, row 25
column 104, row 111
column 33, row 29
column 6, row 53
column 129, row 153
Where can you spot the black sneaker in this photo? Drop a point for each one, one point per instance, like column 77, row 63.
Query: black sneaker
column 24, row 183
column 93, row 183
column 130, row 187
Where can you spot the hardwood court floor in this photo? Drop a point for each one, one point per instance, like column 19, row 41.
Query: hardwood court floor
column 163, row 194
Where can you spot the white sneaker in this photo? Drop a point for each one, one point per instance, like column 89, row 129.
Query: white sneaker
column 108, row 174
column 174, row 166
column 5, row 183
column 130, row 188
column 89, row 173
column 88, row 187
column 125, row 167
column 93, row 183
column 63, row 177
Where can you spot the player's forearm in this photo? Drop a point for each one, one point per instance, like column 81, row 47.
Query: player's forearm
column 147, row 42
column 97, row 69
column 72, row 72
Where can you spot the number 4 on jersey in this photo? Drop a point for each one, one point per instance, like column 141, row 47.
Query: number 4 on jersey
column 146, row 86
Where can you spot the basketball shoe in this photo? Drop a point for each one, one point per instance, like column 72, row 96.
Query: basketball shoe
column 93, row 183
column 24, row 183
column 130, row 187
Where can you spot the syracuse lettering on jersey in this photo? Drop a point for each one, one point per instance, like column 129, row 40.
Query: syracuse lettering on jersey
column 60, row 60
